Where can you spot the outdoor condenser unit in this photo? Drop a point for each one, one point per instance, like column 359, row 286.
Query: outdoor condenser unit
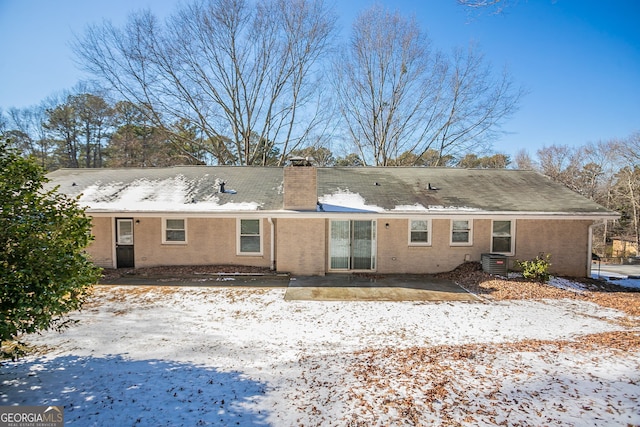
column 494, row 264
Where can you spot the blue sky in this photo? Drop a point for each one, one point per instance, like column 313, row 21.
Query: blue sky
column 579, row 59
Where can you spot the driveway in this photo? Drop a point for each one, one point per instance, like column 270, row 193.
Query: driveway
column 616, row 270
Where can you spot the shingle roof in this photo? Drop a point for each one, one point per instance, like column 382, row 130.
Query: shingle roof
column 363, row 189
column 180, row 188
column 489, row 190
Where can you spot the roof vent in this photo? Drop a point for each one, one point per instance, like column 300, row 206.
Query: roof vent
column 220, row 183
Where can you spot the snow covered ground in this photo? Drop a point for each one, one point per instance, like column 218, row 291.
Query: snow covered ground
column 191, row 356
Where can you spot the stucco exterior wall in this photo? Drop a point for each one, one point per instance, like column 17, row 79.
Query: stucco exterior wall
column 209, row 241
column 395, row 255
column 301, row 246
column 101, row 249
column 566, row 240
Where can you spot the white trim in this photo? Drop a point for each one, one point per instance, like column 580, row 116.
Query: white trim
column 238, row 236
column 428, row 242
column 164, row 231
column 118, row 241
column 374, row 246
column 470, row 231
column 353, row 215
column 512, row 235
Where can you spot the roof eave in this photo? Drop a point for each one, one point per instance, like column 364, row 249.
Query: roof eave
column 434, row 214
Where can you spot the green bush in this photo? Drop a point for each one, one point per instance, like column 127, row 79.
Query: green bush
column 536, row 269
column 45, row 272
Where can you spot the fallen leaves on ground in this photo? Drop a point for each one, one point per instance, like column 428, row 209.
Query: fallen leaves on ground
column 471, row 277
column 476, row 383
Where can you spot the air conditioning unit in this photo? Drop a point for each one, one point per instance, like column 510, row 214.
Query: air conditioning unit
column 495, row 264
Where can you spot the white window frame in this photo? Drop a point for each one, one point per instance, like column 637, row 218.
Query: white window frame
column 428, row 242
column 512, row 235
column 165, row 229
column 469, row 242
column 239, row 237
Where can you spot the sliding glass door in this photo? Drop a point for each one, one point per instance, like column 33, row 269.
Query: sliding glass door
column 352, row 245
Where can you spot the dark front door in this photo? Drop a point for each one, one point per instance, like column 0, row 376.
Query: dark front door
column 124, row 243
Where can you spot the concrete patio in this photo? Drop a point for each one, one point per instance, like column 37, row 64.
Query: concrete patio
column 347, row 287
column 331, row 287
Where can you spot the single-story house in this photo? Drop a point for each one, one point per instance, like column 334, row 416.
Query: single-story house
column 310, row 220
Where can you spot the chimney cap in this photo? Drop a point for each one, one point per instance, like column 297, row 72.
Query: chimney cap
column 301, row 161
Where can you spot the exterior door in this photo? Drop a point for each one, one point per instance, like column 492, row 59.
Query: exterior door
column 352, row 245
column 124, row 243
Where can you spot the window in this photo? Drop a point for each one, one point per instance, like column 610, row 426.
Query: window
column 461, row 232
column 502, row 237
column 174, row 231
column 420, row 232
column 250, row 241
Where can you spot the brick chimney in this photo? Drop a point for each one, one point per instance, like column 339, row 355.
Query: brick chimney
column 300, row 185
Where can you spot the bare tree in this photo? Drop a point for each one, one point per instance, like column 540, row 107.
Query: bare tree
column 233, row 68
column 3, row 122
column 380, row 79
column 523, row 160
column 562, row 164
column 627, row 197
column 397, row 95
column 629, row 148
column 24, row 127
column 598, row 172
column 626, row 188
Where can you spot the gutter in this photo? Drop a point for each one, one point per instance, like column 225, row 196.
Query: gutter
column 596, row 216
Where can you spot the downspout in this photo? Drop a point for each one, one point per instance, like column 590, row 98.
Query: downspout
column 590, row 251
column 273, row 244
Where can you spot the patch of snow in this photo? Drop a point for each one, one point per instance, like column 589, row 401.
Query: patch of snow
column 416, row 207
column 346, row 201
column 566, row 284
column 168, row 195
column 420, row 208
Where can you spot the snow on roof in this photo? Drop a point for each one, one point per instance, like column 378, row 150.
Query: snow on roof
column 419, row 208
column 345, row 201
column 170, row 194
